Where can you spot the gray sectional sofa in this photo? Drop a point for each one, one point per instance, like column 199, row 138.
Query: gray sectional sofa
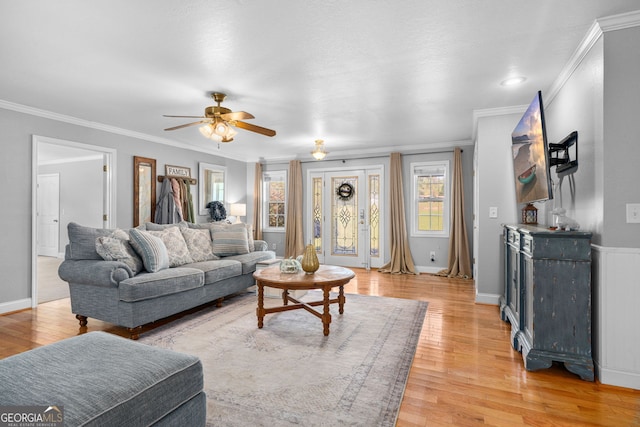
column 124, row 276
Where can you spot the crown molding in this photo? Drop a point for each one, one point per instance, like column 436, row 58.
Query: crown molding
column 619, row 22
column 7, row 105
column 585, row 46
column 405, row 150
column 492, row 112
column 597, row 29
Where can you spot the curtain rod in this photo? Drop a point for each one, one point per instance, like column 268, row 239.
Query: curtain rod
column 385, row 155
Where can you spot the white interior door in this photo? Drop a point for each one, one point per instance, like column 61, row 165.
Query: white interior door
column 48, row 214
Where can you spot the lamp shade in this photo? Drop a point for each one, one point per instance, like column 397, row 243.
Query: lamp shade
column 238, row 209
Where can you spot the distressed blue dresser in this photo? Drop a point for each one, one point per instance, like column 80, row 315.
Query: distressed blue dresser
column 547, row 297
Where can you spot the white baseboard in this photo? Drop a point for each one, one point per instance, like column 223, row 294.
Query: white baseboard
column 21, row 304
column 492, row 299
column 618, row 378
column 425, row 269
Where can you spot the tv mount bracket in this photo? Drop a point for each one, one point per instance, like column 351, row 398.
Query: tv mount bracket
column 560, row 157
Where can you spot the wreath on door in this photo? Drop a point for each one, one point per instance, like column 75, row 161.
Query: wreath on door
column 217, row 212
column 345, row 191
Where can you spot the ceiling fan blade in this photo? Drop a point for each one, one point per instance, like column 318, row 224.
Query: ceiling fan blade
column 236, row 115
column 187, row 125
column 254, row 128
column 185, row 117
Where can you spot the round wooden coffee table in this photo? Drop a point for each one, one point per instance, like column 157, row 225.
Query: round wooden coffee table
column 325, row 278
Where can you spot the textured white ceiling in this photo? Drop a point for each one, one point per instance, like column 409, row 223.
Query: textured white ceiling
column 364, row 75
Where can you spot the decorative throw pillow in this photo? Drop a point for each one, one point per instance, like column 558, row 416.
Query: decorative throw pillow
column 175, row 244
column 230, row 242
column 199, row 243
column 151, row 249
column 236, row 227
column 116, row 247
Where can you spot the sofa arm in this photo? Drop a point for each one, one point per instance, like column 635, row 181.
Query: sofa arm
column 261, row 246
column 94, row 272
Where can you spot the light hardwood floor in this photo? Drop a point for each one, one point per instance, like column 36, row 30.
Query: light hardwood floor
column 464, row 372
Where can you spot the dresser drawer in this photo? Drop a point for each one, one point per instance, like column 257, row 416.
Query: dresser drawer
column 513, row 237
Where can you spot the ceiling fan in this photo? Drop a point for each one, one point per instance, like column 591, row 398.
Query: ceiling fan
column 218, row 121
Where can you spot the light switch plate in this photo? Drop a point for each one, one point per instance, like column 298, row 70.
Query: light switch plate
column 493, row 212
column 633, row 212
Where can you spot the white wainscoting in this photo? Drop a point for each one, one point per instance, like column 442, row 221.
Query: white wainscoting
column 616, row 315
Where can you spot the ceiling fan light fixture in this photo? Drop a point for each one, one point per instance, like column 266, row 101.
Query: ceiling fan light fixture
column 228, row 137
column 319, row 152
column 221, row 128
column 208, row 132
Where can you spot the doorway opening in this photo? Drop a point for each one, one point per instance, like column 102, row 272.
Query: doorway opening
column 71, row 182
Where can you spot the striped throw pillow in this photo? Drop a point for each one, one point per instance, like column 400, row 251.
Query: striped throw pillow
column 151, row 249
column 230, row 242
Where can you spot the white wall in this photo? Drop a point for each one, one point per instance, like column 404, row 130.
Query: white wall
column 495, row 188
column 621, row 145
column 578, row 106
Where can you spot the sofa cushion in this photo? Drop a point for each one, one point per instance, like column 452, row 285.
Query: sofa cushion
column 102, row 379
column 152, row 226
column 217, row 270
column 82, row 241
column 175, row 244
column 164, row 282
column 151, row 249
column 116, row 247
column 199, row 244
column 229, row 242
column 250, row 260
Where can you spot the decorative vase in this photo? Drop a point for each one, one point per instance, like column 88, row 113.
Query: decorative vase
column 290, row 266
column 310, row 261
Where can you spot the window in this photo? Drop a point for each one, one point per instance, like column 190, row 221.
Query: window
column 274, row 196
column 430, row 207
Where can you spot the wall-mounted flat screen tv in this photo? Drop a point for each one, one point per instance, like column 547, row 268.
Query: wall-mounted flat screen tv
column 530, row 155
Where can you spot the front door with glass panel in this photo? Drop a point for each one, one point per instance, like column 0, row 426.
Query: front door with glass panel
column 345, row 217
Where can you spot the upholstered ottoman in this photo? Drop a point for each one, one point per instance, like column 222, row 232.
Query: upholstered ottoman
column 103, row 380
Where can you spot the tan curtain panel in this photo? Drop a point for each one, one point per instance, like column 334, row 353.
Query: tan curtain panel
column 401, row 259
column 293, row 239
column 459, row 259
column 257, row 203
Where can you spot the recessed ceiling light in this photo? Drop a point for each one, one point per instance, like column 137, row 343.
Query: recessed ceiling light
column 512, row 81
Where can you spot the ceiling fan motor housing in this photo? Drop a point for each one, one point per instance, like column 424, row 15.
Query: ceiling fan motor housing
column 213, row 111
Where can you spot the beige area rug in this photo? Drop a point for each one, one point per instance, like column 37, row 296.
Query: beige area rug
column 289, row 373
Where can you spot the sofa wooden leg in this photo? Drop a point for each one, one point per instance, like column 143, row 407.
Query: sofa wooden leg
column 134, row 333
column 219, row 302
column 82, row 320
